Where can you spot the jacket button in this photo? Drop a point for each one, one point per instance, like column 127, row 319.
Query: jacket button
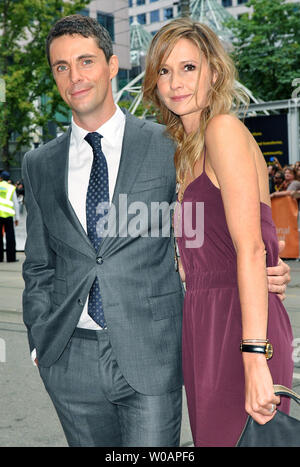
column 99, row 260
column 80, row 302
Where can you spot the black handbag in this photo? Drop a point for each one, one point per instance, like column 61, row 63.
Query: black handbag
column 282, row 431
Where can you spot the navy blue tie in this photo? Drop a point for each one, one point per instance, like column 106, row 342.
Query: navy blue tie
column 97, row 203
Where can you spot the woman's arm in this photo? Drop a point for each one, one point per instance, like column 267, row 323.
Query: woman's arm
column 231, row 155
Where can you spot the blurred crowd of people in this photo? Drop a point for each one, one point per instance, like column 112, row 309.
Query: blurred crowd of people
column 284, row 181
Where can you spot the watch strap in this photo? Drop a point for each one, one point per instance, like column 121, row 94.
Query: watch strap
column 253, row 348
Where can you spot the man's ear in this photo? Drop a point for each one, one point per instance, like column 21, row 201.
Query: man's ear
column 113, row 66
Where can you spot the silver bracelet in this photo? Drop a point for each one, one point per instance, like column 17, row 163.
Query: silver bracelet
column 260, row 341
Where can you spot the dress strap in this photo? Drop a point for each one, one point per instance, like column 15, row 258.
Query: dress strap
column 204, row 158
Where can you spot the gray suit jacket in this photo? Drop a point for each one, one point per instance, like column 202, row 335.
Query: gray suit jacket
column 141, row 291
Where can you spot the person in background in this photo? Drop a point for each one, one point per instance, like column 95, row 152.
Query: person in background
column 272, row 169
column 297, row 191
column 20, row 194
column 278, row 181
column 9, row 214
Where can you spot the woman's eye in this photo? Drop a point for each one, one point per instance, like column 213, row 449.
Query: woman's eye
column 163, row 71
column 189, row 67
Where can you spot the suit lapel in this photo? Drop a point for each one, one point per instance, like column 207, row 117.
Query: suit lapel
column 134, row 149
column 60, row 158
column 132, row 156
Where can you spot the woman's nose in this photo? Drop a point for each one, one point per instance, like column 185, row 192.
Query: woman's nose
column 176, row 81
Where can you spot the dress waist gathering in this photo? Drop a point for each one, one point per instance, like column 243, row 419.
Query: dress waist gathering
column 211, row 279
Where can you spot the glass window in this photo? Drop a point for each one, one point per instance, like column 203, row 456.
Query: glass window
column 227, row 3
column 242, row 1
column 130, row 3
column 140, row 2
column 154, row 16
column 168, row 13
column 141, row 18
column 108, row 22
column 152, row 1
column 85, row 12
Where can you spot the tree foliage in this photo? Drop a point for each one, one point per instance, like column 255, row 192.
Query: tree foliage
column 267, row 48
column 31, row 98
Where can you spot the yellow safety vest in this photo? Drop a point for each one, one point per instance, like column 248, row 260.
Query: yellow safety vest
column 6, row 202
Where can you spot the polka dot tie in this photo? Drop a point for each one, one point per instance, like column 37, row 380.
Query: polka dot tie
column 97, row 202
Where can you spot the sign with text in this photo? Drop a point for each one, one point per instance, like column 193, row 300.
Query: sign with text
column 271, row 134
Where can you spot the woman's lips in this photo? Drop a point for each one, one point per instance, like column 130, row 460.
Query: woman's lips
column 179, row 98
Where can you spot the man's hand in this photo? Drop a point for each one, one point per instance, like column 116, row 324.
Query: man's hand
column 279, row 276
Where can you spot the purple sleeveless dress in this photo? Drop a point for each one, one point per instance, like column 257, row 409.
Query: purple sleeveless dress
column 212, row 330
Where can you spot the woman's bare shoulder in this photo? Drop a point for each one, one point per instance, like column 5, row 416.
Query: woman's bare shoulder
column 225, row 124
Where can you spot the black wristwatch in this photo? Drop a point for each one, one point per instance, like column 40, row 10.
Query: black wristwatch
column 266, row 349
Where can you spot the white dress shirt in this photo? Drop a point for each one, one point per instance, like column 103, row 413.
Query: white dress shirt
column 80, row 164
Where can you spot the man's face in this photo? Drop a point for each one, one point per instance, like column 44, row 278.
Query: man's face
column 83, row 76
column 278, row 179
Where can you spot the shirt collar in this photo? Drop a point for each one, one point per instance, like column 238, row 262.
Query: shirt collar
column 108, row 130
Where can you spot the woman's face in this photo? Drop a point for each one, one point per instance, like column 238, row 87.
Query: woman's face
column 288, row 175
column 184, row 82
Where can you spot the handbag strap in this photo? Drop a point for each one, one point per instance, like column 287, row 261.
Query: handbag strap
column 284, row 391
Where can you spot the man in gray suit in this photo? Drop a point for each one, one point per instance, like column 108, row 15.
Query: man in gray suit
column 116, row 383
column 102, row 305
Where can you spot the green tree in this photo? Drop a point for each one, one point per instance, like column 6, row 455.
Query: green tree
column 31, row 99
column 267, row 48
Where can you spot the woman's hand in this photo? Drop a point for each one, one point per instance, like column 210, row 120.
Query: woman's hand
column 181, row 270
column 260, row 400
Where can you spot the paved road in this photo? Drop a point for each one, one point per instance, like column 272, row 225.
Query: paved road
column 27, row 417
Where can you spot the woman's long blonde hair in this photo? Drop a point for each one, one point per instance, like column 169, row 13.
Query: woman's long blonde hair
column 223, row 96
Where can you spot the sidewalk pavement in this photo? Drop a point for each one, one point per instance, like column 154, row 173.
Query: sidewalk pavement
column 27, row 417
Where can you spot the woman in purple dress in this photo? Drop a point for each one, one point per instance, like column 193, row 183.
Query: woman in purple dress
column 222, row 174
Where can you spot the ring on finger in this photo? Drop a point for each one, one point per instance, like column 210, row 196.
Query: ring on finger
column 272, row 408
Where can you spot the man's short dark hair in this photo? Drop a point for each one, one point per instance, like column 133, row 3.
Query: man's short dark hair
column 86, row 27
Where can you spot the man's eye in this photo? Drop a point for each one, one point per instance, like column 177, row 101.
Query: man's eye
column 87, row 61
column 61, row 68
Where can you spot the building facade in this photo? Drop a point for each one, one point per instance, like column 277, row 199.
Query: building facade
column 113, row 14
column 153, row 14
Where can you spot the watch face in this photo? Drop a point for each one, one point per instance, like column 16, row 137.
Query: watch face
column 269, row 350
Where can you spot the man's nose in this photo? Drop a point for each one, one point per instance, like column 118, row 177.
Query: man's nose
column 75, row 74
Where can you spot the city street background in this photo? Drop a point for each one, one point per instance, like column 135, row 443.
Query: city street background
column 27, row 417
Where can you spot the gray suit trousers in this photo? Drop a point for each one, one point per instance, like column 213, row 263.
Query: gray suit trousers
column 97, row 407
